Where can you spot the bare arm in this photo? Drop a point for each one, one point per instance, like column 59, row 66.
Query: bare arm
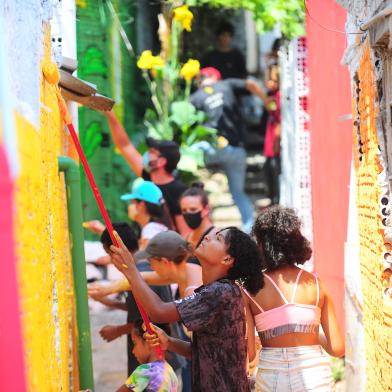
column 97, row 291
column 250, row 328
column 122, row 141
column 255, row 89
column 250, row 332
column 180, row 347
column 112, row 332
column 159, row 311
column 100, row 290
column 333, row 342
column 153, row 279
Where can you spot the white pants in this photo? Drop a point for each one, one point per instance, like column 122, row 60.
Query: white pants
column 294, row 369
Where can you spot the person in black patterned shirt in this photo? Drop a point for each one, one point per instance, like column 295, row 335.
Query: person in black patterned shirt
column 214, row 313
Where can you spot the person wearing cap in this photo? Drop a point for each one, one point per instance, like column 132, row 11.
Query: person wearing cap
column 156, row 165
column 219, row 99
column 214, row 313
column 167, row 253
column 147, row 208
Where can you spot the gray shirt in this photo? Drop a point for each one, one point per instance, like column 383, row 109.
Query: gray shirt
column 215, row 314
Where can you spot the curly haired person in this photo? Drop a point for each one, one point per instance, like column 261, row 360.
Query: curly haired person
column 289, row 310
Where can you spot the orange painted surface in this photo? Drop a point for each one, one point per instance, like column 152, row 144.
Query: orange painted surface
column 331, row 143
column 377, row 309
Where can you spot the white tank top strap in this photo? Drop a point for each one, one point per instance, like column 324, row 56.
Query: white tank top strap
column 318, row 288
column 296, row 285
column 252, row 299
column 277, row 288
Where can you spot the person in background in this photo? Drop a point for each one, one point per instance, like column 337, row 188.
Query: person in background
column 289, row 310
column 156, row 165
column 215, row 313
column 272, row 135
column 219, row 100
column 154, row 374
column 147, row 208
column 227, row 60
column 167, row 253
column 196, row 212
column 272, row 58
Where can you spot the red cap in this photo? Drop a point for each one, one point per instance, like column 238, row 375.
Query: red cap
column 210, row 72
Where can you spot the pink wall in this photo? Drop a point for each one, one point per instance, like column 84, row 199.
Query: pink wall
column 12, row 377
column 331, row 142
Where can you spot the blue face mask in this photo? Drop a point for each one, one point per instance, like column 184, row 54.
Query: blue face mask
column 146, row 162
column 149, row 165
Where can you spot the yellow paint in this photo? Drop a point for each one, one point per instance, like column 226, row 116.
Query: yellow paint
column 377, row 311
column 41, row 231
column 51, row 72
column 81, row 3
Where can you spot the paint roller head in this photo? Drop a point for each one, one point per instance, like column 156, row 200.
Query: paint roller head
column 51, row 72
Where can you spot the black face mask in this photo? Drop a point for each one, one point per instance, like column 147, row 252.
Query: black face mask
column 193, row 219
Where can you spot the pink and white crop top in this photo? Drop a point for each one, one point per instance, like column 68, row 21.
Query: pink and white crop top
column 290, row 317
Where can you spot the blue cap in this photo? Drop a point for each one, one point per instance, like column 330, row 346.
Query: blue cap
column 146, row 191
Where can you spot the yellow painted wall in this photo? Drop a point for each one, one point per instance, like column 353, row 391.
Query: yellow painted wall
column 377, row 310
column 44, row 264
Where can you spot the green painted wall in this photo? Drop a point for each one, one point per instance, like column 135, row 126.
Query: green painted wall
column 104, row 61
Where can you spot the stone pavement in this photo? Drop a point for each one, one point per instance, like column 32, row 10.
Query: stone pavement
column 109, row 359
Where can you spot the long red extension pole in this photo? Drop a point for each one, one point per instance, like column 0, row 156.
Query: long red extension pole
column 68, row 122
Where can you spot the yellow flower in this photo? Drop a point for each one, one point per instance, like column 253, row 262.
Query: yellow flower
column 190, row 69
column 157, row 62
column 81, row 3
column 148, row 61
column 184, row 16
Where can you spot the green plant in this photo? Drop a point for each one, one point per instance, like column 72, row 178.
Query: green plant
column 337, row 366
column 173, row 117
column 289, row 14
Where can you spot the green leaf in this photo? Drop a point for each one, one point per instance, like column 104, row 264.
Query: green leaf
column 289, row 14
column 200, row 133
column 183, row 113
column 150, row 115
column 191, row 159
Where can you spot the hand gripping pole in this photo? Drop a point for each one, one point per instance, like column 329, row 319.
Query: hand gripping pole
column 52, row 75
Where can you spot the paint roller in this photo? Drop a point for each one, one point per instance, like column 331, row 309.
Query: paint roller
column 78, row 90
column 52, row 75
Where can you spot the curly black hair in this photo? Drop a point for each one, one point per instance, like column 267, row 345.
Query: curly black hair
column 248, row 261
column 126, row 233
column 277, row 231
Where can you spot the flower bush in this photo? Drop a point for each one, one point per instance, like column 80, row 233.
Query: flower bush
column 173, row 117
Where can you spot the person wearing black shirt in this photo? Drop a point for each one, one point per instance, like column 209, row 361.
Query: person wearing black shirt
column 227, row 60
column 219, row 100
column 156, row 165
